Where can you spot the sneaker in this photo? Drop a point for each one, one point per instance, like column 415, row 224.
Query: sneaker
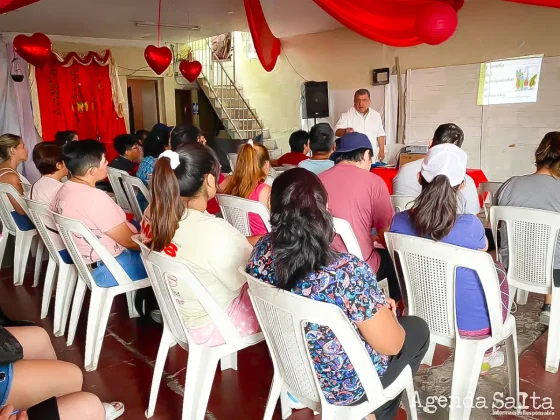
column 492, row 360
column 545, row 314
column 156, row 316
column 294, row 404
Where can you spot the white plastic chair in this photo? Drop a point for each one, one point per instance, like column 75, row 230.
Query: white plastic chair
column 490, row 188
column 531, row 242
column 115, row 179
column 236, row 211
column 132, row 186
column 101, row 297
column 402, row 202
column 429, row 269
column 24, row 239
column 67, row 274
column 282, row 316
column 202, row 361
column 232, row 159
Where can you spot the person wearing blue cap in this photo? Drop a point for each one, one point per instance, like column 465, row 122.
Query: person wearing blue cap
column 361, row 198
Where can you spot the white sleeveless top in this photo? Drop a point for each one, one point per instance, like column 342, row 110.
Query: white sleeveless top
column 24, row 182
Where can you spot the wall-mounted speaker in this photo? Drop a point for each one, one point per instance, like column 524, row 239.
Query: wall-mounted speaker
column 316, row 96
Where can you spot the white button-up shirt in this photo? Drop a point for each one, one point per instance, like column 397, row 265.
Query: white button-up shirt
column 369, row 124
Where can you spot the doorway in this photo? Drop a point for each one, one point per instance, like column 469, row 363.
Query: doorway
column 183, row 107
column 143, row 104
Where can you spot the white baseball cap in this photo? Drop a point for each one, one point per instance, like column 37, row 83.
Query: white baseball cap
column 445, row 159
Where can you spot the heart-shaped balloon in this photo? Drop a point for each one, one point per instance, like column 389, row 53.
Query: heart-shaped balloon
column 190, row 69
column 35, row 49
column 158, row 58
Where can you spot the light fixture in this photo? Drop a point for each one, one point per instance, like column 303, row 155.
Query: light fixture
column 168, row 26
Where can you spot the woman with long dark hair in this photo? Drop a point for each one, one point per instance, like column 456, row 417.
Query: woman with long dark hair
column 434, row 216
column 176, row 223
column 296, row 256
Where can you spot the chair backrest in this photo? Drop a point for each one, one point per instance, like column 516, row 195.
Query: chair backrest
column 115, row 177
column 283, row 316
column 429, row 271
column 532, row 237
column 402, row 202
column 344, row 229
column 163, row 270
column 6, row 208
column 132, row 186
column 236, row 211
column 69, row 229
column 232, row 158
column 43, row 220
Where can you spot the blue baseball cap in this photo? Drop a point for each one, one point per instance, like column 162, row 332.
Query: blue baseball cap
column 350, row 142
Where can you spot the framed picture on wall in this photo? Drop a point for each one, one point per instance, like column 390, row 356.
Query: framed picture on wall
column 222, row 47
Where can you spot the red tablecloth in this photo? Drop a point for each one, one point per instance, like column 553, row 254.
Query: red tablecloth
column 387, row 174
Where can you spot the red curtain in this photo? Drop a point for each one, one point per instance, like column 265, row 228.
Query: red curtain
column 10, row 5
column 267, row 45
column 76, row 94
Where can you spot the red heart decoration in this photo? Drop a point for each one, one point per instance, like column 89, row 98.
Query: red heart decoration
column 158, row 59
column 35, row 49
column 190, row 69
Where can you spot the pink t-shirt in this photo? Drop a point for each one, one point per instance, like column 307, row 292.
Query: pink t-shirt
column 255, row 222
column 45, row 189
column 362, row 199
column 98, row 212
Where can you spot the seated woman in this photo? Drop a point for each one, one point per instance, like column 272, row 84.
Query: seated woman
column 12, row 154
column 62, row 138
column 248, row 181
column 46, row 387
column 540, row 190
column 434, row 216
column 296, row 256
column 154, row 145
column 182, row 184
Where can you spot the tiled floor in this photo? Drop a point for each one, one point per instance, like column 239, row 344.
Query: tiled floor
column 130, row 348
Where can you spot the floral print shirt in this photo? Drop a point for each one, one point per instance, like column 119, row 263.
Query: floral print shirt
column 348, row 283
column 146, row 168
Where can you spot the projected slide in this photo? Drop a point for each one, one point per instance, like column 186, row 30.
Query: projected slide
column 511, row 81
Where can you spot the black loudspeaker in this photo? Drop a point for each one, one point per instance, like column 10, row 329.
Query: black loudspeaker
column 316, row 96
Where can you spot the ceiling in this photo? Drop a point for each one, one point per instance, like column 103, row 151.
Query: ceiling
column 114, row 19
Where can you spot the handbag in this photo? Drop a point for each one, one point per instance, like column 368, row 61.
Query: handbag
column 10, row 349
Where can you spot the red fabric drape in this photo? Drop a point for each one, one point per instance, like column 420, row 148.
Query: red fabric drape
column 79, row 98
column 391, row 22
column 267, row 45
column 11, row 5
column 548, row 3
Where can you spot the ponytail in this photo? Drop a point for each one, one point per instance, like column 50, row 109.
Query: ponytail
column 435, row 210
column 166, row 208
column 249, row 170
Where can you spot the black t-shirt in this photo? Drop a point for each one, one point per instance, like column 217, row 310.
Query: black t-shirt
column 123, row 164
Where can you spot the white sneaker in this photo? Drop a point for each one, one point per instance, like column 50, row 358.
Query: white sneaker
column 492, row 360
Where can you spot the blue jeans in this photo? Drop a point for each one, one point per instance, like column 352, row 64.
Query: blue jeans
column 23, row 222
column 129, row 260
column 6, row 377
column 65, row 255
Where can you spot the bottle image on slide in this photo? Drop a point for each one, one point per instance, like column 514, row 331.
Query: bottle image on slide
column 519, row 79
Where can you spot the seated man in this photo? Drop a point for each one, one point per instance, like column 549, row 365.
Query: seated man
column 406, row 182
column 299, row 148
column 362, row 199
column 79, row 199
column 321, row 139
column 130, row 153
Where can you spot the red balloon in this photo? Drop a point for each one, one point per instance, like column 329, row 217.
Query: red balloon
column 436, row 23
column 190, row 69
column 35, row 49
column 158, row 59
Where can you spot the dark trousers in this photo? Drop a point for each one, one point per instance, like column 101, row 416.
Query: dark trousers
column 414, row 348
column 46, row 410
column 387, row 271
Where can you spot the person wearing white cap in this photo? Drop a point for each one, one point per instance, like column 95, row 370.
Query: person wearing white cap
column 434, row 216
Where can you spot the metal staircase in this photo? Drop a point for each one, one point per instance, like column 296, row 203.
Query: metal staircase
column 218, row 83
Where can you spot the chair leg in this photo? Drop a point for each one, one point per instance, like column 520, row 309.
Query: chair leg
column 285, row 408
column 522, row 296
column 410, row 402
column 99, row 310
column 552, row 346
column 3, row 243
column 201, row 368
column 229, row 362
column 23, row 246
column 77, row 304
column 429, row 356
column 513, row 366
column 130, row 298
column 64, row 293
column 38, row 260
column 48, row 288
column 273, row 396
column 166, row 341
column 466, row 371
